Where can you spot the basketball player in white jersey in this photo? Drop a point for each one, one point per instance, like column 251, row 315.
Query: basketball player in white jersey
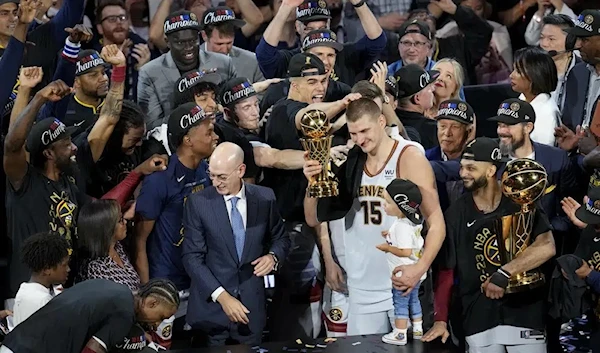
column 371, row 165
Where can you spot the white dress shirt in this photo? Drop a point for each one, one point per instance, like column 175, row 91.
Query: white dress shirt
column 242, row 207
column 547, row 117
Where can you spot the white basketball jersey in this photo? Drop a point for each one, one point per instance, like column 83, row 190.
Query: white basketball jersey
column 369, row 279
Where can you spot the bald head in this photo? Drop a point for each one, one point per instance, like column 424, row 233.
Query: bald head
column 227, row 155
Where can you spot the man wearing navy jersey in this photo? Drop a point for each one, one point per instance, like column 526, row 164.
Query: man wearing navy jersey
column 159, row 206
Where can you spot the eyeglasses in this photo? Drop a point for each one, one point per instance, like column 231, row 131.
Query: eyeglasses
column 222, row 177
column 115, row 18
column 408, row 44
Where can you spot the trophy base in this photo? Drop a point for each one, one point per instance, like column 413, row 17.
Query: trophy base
column 323, row 189
column 525, row 281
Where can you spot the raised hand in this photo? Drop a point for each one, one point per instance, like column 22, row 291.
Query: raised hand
column 141, row 53
column 292, row 3
column 113, row 55
column 570, row 206
column 447, row 6
column 79, row 33
column 30, row 76
column 27, row 10
column 379, row 73
column 263, row 85
column 392, row 21
column 55, row 91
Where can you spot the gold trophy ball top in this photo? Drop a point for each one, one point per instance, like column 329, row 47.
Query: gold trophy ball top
column 524, row 180
column 314, row 124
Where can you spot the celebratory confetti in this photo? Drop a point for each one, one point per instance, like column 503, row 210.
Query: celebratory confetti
column 355, row 343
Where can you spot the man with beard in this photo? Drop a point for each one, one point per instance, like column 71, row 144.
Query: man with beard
column 516, row 120
column 492, row 319
column 372, row 163
column 157, row 78
column 455, row 127
column 582, row 88
column 314, row 15
column 81, row 108
column 112, row 26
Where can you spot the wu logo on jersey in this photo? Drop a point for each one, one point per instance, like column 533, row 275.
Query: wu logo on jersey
column 389, row 173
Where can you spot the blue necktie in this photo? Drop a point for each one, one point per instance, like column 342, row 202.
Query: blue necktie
column 237, row 225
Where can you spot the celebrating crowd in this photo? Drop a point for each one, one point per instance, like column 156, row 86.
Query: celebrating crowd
column 191, row 173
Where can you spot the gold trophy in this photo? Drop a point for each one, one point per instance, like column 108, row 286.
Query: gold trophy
column 315, row 128
column 523, row 181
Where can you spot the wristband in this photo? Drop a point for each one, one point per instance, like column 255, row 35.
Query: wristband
column 500, row 278
column 360, row 3
column 118, row 74
column 71, row 49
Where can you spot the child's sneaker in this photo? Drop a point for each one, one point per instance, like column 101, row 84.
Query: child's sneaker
column 395, row 337
column 418, row 334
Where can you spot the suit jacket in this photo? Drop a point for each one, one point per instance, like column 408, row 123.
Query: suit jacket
column 210, row 257
column 156, row 83
column 245, row 64
column 576, row 90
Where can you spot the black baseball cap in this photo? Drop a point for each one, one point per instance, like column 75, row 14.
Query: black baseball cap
column 221, row 14
column 313, row 10
column 514, row 111
column 412, row 79
column 391, row 85
column 586, row 25
column 180, row 20
column 589, row 212
column 321, row 38
column 407, row 197
column 305, row 61
column 192, row 78
column 235, row 90
column 46, row 132
column 87, row 60
column 2, row 2
column 182, row 119
column 457, row 110
column 415, row 26
column 484, row 149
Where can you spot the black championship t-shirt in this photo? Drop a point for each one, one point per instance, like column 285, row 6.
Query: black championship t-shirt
column 80, row 115
column 228, row 132
column 95, row 308
column 471, row 249
column 588, row 249
column 289, row 185
column 111, row 169
column 40, row 205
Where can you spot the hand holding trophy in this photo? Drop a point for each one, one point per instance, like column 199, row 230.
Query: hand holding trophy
column 315, row 128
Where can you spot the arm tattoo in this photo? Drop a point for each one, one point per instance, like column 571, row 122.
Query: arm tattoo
column 114, row 101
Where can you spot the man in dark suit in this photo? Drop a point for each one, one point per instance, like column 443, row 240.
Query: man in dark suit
column 234, row 236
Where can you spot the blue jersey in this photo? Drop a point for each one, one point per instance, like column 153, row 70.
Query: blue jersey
column 161, row 199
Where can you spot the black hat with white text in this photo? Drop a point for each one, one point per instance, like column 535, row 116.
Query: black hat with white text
column 407, row 197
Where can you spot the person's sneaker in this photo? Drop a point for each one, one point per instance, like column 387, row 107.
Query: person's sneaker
column 395, row 337
column 417, row 334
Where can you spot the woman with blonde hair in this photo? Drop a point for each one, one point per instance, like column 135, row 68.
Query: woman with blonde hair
column 448, row 84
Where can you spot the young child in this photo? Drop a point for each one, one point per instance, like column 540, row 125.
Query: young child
column 47, row 257
column 404, row 245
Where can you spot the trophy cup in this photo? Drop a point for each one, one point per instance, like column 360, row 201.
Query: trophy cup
column 315, row 128
column 523, row 181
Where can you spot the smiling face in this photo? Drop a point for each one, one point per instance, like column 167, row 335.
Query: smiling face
column 8, row 19
column 62, row 153
column 310, row 89
column 203, row 138
column 414, row 48
column 446, row 86
column 185, row 48
column 513, row 137
column 475, row 175
column 452, row 136
column 367, row 132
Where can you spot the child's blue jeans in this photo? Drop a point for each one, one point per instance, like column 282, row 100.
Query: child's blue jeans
column 405, row 304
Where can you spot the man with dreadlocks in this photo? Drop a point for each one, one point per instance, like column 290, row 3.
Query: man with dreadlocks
column 97, row 314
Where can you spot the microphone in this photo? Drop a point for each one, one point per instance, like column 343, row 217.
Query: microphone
column 554, row 53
